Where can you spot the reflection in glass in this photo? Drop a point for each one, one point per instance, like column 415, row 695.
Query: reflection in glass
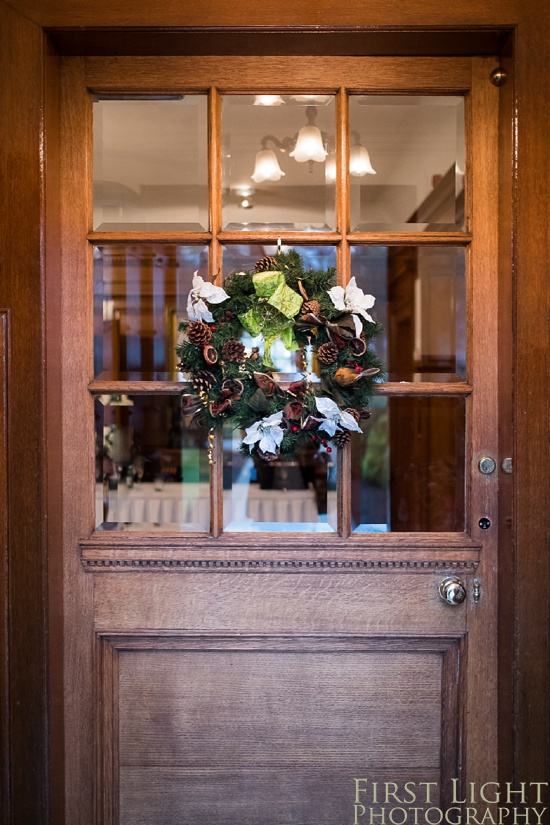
column 421, row 301
column 242, row 258
column 416, row 146
column 408, row 466
column 152, row 469
column 274, row 174
column 280, row 496
column 150, row 163
column 140, row 295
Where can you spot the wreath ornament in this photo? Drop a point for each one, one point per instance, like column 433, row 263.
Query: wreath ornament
column 235, row 386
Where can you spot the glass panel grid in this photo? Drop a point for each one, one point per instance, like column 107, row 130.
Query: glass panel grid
column 236, row 256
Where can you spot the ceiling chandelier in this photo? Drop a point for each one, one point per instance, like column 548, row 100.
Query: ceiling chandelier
column 308, row 146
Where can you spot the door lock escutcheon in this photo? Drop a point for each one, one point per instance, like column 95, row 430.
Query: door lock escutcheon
column 487, row 465
column 452, row 591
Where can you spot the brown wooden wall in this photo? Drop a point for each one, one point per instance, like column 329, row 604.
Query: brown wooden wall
column 526, row 176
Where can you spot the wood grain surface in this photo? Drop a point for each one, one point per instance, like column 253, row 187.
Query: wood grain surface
column 240, row 726
column 246, row 13
column 24, row 733
column 355, row 603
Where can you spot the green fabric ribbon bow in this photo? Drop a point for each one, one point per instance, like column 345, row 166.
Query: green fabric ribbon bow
column 272, row 287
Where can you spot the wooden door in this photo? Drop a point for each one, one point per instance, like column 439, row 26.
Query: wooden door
column 222, row 672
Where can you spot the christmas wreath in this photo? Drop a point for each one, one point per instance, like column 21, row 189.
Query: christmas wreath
column 233, row 385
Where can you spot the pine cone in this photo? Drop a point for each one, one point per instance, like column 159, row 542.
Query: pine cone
column 327, row 353
column 199, row 333
column 312, row 307
column 203, row 381
column 234, row 351
column 353, row 412
column 266, row 264
column 341, row 438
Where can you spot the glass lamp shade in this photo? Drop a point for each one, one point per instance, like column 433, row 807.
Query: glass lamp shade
column 311, row 98
column 359, row 162
column 266, row 167
column 309, row 145
column 330, row 169
column 268, row 100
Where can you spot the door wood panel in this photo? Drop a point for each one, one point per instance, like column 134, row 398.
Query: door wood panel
column 238, row 728
column 272, row 602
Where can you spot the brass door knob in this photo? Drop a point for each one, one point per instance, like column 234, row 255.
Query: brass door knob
column 452, row 590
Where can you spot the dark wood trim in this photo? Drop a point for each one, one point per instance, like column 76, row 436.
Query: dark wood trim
column 21, row 291
column 456, row 388
column 531, row 515
column 506, row 586
column 322, row 40
column 53, row 406
column 142, row 75
column 5, row 790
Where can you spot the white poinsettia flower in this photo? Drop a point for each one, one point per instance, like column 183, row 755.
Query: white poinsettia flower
column 353, row 299
column 268, row 432
column 203, row 293
column 335, row 419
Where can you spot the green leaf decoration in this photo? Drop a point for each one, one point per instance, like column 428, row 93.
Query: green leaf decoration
column 259, row 403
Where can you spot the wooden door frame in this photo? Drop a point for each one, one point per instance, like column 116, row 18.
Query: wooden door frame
column 31, row 77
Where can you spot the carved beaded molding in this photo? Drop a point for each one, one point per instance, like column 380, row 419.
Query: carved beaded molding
column 271, row 565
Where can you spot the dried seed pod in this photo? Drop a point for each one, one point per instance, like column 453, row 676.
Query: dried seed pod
column 203, row 381
column 358, row 346
column 234, row 351
column 199, row 333
column 341, row 438
column 353, row 412
column 327, row 353
column 265, row 264
column 312, row 307
column 268, row 456
column 234, row 387
column 210, row 354
column 365, row 413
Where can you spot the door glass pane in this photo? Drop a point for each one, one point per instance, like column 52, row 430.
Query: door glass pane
column 152, row 469
column 140, row 295
column 278, row 170
column 242, row 258
column 408, row 466
column 407, row 162
column 150, row 163
column 297, row 495
column 421, row 301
